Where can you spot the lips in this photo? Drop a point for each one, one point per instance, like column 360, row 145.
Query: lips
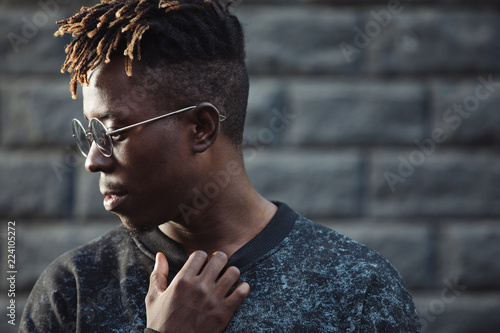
column 112, row 201
column 113, row 198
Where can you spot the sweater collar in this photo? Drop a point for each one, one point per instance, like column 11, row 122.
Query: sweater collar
column 270, row 237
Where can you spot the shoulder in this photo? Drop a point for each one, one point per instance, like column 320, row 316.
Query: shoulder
column 102, row 248
column 376, row 289
column 333, row 250
column 96, row 258
column 332, row 281
column 324, row 258
column 349, row 265
column 83, row 285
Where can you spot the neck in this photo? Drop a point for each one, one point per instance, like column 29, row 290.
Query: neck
column 230, row 220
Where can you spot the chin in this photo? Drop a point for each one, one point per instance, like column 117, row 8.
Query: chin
column 136, row 228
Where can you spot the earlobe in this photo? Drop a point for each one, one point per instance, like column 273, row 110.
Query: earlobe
column 207, row 125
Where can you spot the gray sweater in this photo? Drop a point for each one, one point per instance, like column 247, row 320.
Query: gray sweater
column 303, row 278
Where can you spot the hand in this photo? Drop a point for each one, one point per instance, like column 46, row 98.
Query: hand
column 196, row 300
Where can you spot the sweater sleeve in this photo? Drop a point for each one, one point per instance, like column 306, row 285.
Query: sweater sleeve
column 388, row 305
column 50, row 304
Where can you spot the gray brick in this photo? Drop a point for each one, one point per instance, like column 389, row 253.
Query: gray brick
column 458, row 311
column 315, row 184
column 298, row 39
column 38, row 244
column 330, row 112
column 406, row 246
column 468, row 110
column 31, row 186
column 37, row 113
column 470, row 253
column 27, row 42
column 262, row 127
column 448, row 183
column 428, row 40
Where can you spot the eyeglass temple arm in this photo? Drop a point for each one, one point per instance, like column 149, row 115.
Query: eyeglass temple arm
column 121, row 130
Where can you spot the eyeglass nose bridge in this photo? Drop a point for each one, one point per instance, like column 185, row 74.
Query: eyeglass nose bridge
column 89, row 137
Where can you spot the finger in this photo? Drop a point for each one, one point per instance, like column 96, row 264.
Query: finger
column 237, row 296
column 158, row 279
column 194, row 264
column 227, row 280
column 214, row 266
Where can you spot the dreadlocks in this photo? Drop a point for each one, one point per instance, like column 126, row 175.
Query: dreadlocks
column 183, row 36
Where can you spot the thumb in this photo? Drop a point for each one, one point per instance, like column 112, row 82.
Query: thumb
column 158, row 279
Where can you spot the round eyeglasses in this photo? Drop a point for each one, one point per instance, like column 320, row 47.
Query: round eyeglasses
column 98, row 133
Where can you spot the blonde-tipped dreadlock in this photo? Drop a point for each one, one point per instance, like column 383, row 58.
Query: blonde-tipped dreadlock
column 195, row 47
column 114, row 26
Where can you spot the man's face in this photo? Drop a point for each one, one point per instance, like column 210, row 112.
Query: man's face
column 151, row 169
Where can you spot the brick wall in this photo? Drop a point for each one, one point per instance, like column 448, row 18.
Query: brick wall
column 376, row 118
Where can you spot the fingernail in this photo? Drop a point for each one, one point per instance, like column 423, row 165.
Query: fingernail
column 156, row 260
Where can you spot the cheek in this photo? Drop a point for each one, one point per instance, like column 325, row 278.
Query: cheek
column 136, row 163
column 171, row 145
column 141, row 147
column 129, row 153
column 153, row 154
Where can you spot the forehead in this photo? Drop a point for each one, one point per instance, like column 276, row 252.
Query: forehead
column 113, row 94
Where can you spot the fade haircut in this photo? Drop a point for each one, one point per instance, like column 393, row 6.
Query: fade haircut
column 196, row 47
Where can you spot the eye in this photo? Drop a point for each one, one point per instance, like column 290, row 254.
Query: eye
column 118, row 137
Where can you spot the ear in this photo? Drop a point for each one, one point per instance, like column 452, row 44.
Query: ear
column 206, row 121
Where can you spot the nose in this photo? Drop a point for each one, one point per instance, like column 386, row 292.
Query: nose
column 96, row 161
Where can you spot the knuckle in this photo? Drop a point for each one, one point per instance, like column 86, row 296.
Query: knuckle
column 236, row 298
column 183, row 281
column 200, row 254
column 150, row 298
column 233, row 273
column 219, row 254
column 201, row 289
column 242, row 292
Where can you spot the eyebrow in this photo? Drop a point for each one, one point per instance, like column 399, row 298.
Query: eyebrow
column 107, row 114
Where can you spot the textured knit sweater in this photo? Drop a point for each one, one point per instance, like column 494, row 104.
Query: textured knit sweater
column 303, row 278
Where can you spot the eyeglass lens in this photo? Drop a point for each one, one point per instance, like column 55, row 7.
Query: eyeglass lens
column 80, row 137
column 98, row 131
column 102, row 140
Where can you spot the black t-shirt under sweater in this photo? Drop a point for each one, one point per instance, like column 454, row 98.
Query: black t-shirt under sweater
column 303, row 278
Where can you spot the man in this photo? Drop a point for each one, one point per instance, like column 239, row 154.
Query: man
column 165, row 91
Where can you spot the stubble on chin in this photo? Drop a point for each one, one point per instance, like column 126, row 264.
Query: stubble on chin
column 137, row 230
